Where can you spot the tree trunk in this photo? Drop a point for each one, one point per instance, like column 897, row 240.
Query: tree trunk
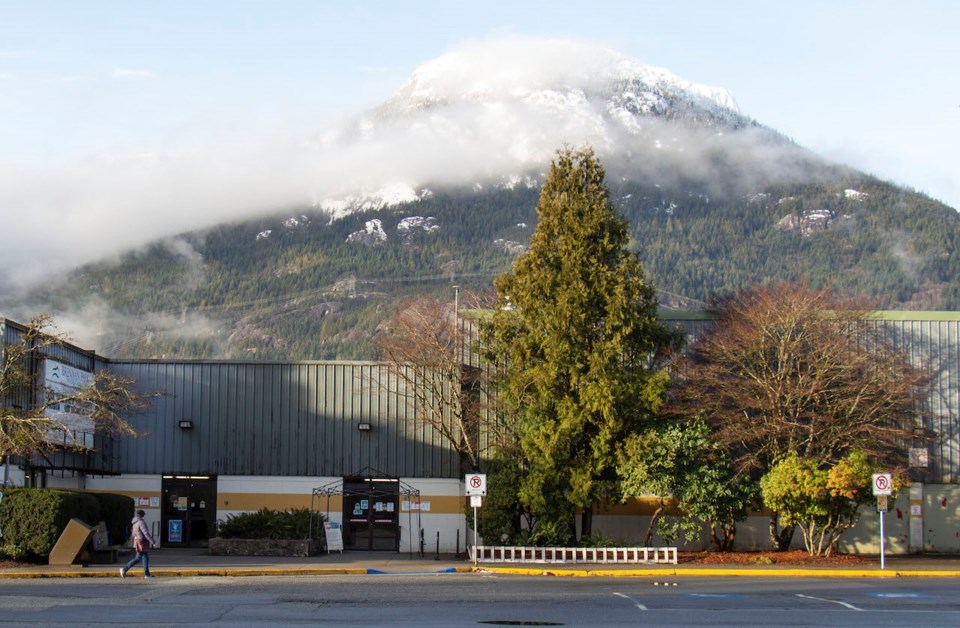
column 780, row 539
column 727, row 534
column 586, row 523
column 653, row 524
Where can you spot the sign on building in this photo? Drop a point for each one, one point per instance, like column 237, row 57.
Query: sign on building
column 63, row 380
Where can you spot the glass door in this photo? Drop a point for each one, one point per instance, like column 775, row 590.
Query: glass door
column 189, row 510
column 371, row 514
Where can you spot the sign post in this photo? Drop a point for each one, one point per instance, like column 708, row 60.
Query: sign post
column 476, row 484
column 882, row 488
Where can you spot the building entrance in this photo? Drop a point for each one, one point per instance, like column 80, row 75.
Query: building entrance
column 371, row 514
column 188, row 510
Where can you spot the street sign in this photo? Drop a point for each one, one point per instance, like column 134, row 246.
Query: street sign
column 882, row 503
column 919, row 457
column 476, row 484
column 476, row 488
column 882, row 484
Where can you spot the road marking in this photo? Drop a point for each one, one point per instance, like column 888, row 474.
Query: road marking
column 810, row 597
column 635, row 603
column 721, row 595
column 898, row 595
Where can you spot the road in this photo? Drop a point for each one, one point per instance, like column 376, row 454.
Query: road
column 480, row 599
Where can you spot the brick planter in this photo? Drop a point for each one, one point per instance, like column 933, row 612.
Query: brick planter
column 263, row 547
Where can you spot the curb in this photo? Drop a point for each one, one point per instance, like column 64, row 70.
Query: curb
column 569, row 573
column 786, row 573
column 225, row 572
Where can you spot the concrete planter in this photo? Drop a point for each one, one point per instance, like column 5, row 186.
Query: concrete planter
column 264, row 547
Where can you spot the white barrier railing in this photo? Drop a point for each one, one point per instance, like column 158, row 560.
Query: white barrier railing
column 600, row 555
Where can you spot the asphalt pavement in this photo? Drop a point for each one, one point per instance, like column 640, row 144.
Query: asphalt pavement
column 180, row 562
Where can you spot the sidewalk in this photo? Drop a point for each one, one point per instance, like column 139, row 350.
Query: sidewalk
column 178, row 562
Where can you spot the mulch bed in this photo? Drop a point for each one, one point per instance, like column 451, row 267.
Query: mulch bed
column 798, row 558
column 6, row 563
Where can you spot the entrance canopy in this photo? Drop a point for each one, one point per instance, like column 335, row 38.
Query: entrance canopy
column 367, row 484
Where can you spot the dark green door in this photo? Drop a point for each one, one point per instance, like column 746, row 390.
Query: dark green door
column 189, row 510
column 371, row 512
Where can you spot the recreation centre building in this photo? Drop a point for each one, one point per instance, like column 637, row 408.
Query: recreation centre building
column 222, row 437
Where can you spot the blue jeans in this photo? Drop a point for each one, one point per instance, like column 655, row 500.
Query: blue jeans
column 145, row 557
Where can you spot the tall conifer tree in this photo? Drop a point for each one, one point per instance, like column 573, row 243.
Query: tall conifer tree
column 576, row 338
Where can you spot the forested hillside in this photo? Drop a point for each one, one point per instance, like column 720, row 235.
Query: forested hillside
column 298, row 286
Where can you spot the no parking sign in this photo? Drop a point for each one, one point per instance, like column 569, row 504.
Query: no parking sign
column 882, row 484
column 476, row 484
column 882, row 487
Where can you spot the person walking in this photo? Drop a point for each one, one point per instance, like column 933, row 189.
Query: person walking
column 142, row 542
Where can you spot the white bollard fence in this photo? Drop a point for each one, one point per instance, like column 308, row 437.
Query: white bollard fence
column 600, row 555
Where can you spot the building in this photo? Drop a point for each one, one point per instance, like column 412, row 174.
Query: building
column 223, row 437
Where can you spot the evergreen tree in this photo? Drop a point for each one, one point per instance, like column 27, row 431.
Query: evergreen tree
column 577, row 339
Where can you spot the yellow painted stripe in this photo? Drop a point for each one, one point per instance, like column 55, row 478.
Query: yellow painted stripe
column 439, row 504
column 795, row 573
column 444, row 504
column 538, row 571
column 644, row 506
column 273, row 501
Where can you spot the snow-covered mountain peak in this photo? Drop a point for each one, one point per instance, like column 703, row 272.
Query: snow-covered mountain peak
column 520, row 67
column 497, row 111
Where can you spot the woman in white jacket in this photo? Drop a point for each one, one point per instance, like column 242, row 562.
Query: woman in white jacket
column 142, row 542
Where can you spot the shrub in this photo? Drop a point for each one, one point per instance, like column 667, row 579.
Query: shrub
column 548, row 533
column 32, row 519
column 598, row 540
column 293, row 523
column 823, row 501
column 116, row 511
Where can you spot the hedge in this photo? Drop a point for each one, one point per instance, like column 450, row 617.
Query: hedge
column 32, row 519
column 116, row 511
column 293, row 523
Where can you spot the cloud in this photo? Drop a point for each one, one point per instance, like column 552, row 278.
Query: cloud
column 67, row 78
column 491, row 109
column 113, row 203
column 95, row 325
column 124, row 73
column 486, row 111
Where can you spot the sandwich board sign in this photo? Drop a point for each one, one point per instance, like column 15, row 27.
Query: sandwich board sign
column 334, row 536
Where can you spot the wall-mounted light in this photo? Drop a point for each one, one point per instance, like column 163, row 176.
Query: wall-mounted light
column 364, row 427
column 186, row 424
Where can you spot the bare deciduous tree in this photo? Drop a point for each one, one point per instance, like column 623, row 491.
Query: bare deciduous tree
column 788, row 369
column 29, row 422
column 426, row 348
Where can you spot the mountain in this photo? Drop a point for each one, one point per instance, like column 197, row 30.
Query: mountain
column 495, row 115
column 438, row 186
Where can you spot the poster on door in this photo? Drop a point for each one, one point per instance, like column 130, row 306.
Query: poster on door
column 175, row 531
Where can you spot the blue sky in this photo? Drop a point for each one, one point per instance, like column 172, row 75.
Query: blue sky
column 99, row 90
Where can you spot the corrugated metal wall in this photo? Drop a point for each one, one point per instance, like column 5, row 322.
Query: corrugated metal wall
column 100, row 460
column 931, row 341
column 278, row 419
column 301, row 418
